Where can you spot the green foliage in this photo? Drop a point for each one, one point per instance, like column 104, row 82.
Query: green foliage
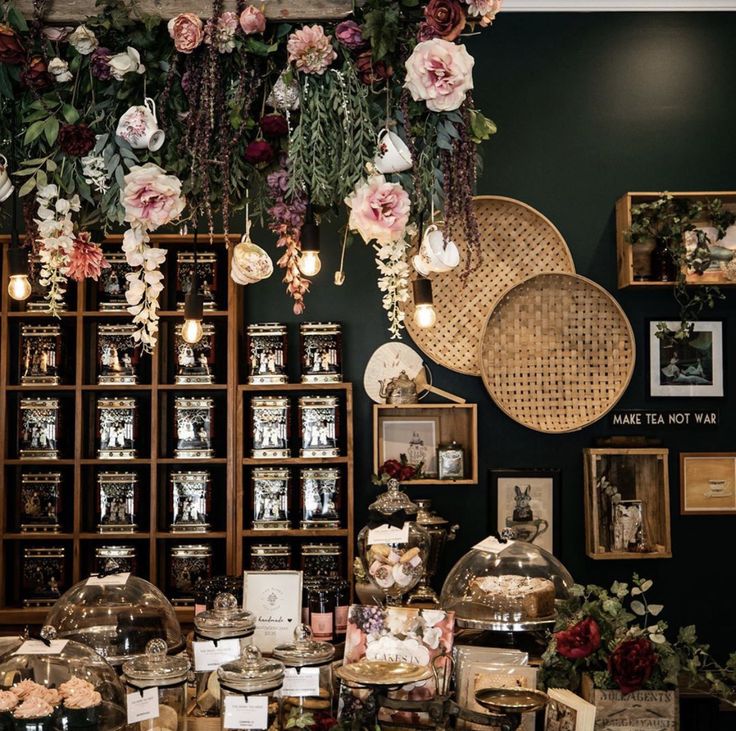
column 381, row 26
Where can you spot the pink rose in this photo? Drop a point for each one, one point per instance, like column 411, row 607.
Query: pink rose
column 439, row 73
column 484, row 10
column 252, row 20
column 186, row 30
column 379, row 210
column 150, row 197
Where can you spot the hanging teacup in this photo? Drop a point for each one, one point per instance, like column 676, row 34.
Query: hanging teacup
column 393, row 155
column 436, row 254
column 6, row 184
column 250, row 263
column 139, row 127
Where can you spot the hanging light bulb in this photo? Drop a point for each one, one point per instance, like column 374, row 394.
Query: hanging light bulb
column 425, row 315
column 309, row 262
column 191, row 330
column 19, row 288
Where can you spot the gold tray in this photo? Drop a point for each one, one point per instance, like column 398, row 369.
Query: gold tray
column 511, row 700
column 378, row 672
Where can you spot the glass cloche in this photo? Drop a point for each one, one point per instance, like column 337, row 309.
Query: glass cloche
column 505, row 585
column 61, row 684
column 116, row 616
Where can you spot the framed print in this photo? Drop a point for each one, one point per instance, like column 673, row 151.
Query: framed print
column 527, row 501
column 627, row 505
column 413, row 437
column 693, row 368
column 707, row 483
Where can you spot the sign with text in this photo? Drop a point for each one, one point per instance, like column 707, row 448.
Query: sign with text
column 275, row 598
column 676, row 419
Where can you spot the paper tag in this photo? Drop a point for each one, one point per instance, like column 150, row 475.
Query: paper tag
column 38, row 647
column 302, row 683
column 246, row 712
column 493, row 545
column 208, row 656
column 110, row 580
column 388, row 534
column 142, row 707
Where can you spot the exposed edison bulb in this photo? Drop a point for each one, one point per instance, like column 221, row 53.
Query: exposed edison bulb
column 19, row 288
column 425, row 316
column 309, row 263
column 191, row 331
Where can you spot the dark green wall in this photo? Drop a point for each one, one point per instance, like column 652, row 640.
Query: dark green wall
column 588, row 107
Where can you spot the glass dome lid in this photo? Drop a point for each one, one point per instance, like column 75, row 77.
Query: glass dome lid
column 225, row 620
column 251, row 673
column 72, row 680
column 156, row 668
column 505, row 585
column 116, row 616
column 393, row 500
column 304, row 651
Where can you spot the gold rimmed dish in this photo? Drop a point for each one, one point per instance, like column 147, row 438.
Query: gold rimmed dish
column 379, row 672
column 511, row 700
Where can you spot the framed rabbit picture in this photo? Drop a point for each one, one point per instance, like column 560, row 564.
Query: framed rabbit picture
column 526, row 502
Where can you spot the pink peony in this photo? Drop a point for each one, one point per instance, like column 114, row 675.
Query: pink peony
column 310, row 49
column 221, row 34
column 484, row 10
column 252, row 20
column 439, row 73
column 86, row 260
column 150, row 197
column 379, row 210
column 186, row 30
column 350, row 35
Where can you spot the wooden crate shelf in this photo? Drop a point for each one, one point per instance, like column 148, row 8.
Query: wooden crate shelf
column 624, row 251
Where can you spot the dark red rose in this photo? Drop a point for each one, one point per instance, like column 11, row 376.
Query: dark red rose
column 76, row 139
column 274, row 125
column 99, row 63
column 445, row 18
column 349, row 34
column 581, row 640
column 370, row 72
column 35, row 74
column 407, row 472
column 391, row 467
column 259, row 151
column 632, row 664
column 11, row 49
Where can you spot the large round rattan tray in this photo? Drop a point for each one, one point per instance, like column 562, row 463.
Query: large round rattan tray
column 557, row 352
column 517, row 241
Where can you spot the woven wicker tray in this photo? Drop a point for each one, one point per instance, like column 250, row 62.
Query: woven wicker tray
column 517, row 242
column 557, row 352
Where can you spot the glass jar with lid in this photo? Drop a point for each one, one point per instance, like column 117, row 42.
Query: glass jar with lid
column 306, row 695
column 220, row 636
column 167, row 674
column 392, row 546
column 249, row 688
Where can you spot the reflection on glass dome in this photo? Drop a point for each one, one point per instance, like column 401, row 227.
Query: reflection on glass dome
column 116, row 619
column 505, row 586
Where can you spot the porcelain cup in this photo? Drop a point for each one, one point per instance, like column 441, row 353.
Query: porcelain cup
column 6, row 184
column 436, row 253
column 393, row 155
column 139, row 127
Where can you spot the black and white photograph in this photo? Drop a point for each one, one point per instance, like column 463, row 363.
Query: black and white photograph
column 414, row 438
column 691, row 367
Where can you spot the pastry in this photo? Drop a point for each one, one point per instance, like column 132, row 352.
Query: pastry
column 509, row 598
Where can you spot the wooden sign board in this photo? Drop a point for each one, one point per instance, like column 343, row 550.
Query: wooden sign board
column 71, row 11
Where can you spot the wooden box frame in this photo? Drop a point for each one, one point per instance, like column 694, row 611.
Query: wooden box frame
column 624, row 253
column 657, row 501
column 684, row 510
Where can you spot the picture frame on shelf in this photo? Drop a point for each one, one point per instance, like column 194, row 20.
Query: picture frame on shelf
column 708, row 483
column 528, row 502
column 627, row 507
column 692, row 369
column 417, row 438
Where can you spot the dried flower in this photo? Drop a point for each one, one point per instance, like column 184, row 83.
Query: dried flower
column 259, row 151
column 444, row 19
column 150, row 197
column 252, row 20
column 485, row 10
column 99, row 63
column 370, row 72
column 221, row 33
column 350, row 35
column 35, row 74
column 11, row 49
column 274, row 125
column 186, row 31
column 379, row 210
column 76, row 139
column 83, row 40
column 57, row 34
column 126, row 63
column 86, row 260
column 59, row 69
column 310, row 49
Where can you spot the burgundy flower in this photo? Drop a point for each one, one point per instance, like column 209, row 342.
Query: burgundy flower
column 391, row 467
column 349, row 34
column 580, row 640
column 370, row 72
column 407, row 472
column 444, row 18
column 259, row 151
column 274, row 125
column 99, row 63
column 35, row 74
column 632, row 664
column 11, row 49
column 76, row 139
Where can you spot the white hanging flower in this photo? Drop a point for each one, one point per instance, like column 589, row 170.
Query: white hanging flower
column 126, row 63
column 83, row 40
column 59, row 69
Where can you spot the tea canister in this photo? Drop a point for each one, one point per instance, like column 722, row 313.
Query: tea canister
column 117, row 355
column 117, row 428
column 271, row 499
column 115, row 560
column 187, row 565
column 39, row 428
column 270, row 427
column 270, row 557
column 319, row 421
column 321, row 352
column 266, row 352
column 112, row 284
column 167, row 674
column 321, row 561
column 117, row 502
column 249, row 688
column 220, row 636
column 39, row 507
column 194, row 418
column 206, row 277
column 195, row 362
column 44, row 575
column 306, row 694
column 40, row 355
column 320, row 497
column 190, row 498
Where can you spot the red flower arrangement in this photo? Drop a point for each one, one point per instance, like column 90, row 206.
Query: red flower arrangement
column 397, row 469
column 76, row 139
column 274, row 125
column 11, row 48
column 581, row 640
column 258, row 152
column 632, row 664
